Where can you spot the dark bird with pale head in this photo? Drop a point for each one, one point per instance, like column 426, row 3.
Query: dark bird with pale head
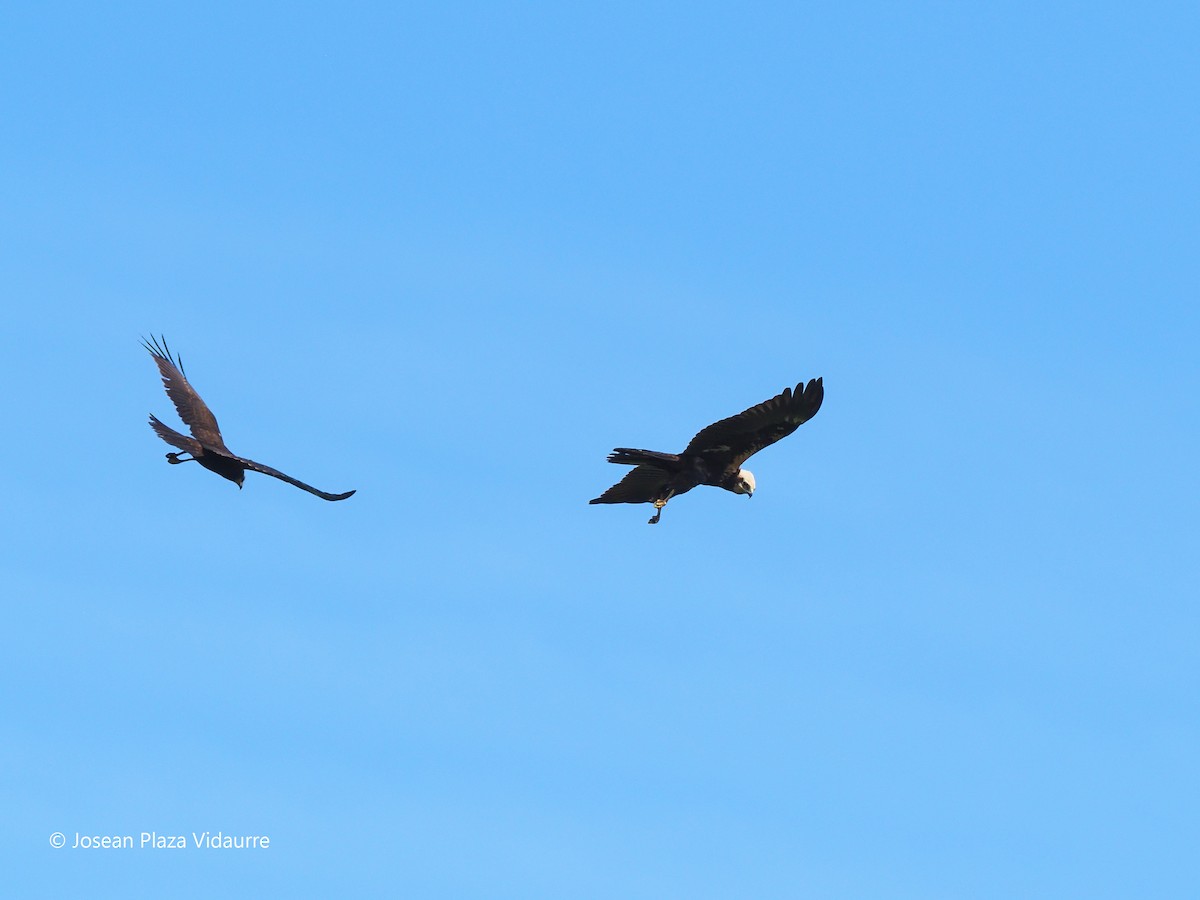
column 716, row 454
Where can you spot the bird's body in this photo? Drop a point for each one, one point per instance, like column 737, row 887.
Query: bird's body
column 205, row 445
column 715, row 455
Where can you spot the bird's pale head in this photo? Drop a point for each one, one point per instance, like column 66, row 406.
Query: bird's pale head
column 744, row 483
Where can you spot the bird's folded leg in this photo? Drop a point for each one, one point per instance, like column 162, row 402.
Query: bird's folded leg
column 173, row 459
column 658, row 507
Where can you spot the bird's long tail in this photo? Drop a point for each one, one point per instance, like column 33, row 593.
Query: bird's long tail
column 175, row 439
column 626, row 456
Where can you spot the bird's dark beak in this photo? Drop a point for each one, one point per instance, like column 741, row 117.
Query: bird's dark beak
column 749, row 494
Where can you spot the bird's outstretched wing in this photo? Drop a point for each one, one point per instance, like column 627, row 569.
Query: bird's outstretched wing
column 643, row 484
column 736, row 439
column 275, row 473
column 195, row 414
column 175, row 439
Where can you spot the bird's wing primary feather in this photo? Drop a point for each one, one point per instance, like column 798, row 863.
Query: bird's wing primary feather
column 175, row 439
column 736, row 439
column 643, row 484
column 194, row 412
column 275, row 473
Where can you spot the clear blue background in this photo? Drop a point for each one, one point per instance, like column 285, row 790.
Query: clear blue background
column 450, row 255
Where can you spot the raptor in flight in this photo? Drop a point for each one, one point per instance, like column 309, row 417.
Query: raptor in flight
column 206, row 446
column 716, row 454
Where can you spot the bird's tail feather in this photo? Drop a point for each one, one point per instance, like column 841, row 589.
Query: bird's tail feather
column 626, row 456
column 174, row 438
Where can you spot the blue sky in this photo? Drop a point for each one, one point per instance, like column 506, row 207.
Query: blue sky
column 450, row 256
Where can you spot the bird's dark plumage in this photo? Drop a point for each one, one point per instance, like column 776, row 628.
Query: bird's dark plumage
column 715, row 455
column 206, row 445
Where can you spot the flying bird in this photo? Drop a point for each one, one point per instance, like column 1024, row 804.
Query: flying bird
column 716, row 454
column 206, row 445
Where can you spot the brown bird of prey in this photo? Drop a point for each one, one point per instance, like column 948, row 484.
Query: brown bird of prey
column 206, row 445
column 716, row 454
